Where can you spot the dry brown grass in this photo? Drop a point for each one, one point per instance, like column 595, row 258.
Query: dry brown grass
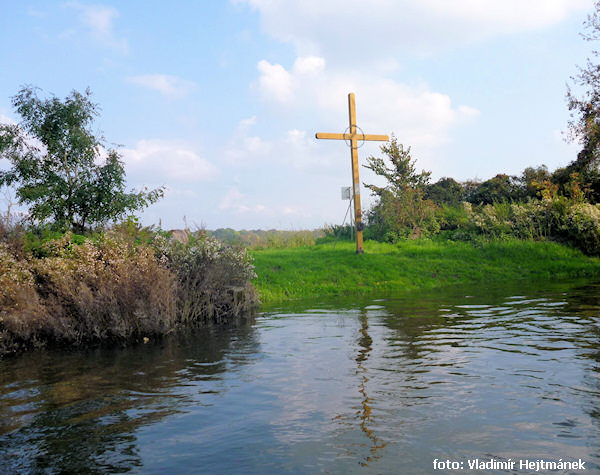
column 105, row 290
column 113, row 289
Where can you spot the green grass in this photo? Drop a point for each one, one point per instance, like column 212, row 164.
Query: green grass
column 320, row 270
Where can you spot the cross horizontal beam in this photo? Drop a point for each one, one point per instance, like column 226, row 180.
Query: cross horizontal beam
column 322, row 135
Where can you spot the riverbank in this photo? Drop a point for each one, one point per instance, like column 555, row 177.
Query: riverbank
column 321, row 270
column 71, row 290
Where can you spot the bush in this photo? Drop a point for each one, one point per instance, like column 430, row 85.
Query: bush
column 74, row 289
column 22, row 317
column 582, row 227
column 554, row 217
column 401, row 216
column 104, row 290
column 213, row 280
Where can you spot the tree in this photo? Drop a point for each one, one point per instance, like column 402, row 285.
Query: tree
column 401, row 210
column 584, row 125
column 499, row 189
column 60, row 169
column 445, row 191
column 531, row 179
column 402, row 175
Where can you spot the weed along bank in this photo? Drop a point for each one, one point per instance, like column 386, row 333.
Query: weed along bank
column 117, row 287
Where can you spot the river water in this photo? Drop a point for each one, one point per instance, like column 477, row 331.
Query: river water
column 381, row 385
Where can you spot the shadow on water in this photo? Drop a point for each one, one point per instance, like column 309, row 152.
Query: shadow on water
column 79, row 411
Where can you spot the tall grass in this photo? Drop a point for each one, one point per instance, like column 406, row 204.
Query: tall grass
column 115, row 286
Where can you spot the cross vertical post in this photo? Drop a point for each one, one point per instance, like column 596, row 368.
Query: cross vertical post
column 355, row 175
column 353, row 137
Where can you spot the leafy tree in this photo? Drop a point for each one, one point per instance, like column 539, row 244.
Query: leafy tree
column 531, row 180
column 401, row 210
column 60, row 169
column 499, row 189
column 445, row 191
column 402, row 175
column 584, row 125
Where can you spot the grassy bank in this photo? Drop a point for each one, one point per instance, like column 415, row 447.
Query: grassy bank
column 420, row 264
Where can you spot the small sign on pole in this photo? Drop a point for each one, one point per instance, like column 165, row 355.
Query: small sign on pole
column 346, row 195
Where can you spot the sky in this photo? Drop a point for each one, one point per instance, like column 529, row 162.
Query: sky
column 219, row 100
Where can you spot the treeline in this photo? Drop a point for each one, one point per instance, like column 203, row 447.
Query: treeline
column 560, row 205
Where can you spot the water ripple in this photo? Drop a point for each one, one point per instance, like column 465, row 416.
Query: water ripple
column 380, row 386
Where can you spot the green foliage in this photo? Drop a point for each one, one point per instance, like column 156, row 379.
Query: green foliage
column 55, row 156
column 582, row 227
column 554, row 217
column 531, row 178
column 406, row 216
column 37, row 240
column 132, row 229
column 446, row 191
column 452, row 217
column 401, row 210
column 499, row 189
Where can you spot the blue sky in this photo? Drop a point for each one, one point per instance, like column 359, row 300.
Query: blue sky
column 220, row 100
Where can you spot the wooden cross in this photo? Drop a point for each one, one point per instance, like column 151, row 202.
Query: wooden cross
column 353, row 137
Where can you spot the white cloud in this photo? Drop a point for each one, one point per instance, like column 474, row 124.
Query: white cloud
column 169, row 86
column 172, row 161
column 275, row 81
column 246, row 124
column 293, row 149
column 420, row 116
column 311, row 65
column 507, row 15
column 246, row 149
column 235, row 201
column 350, row 31
column 4, row 119
column 99, row 20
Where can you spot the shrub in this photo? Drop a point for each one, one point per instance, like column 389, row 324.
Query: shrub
column 451, row 217
column 22, row 317
column 582, row 226
column 554, row 217
column 213, row 280
column 104, row 290
column 404, row 215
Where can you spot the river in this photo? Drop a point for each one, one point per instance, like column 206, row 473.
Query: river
column 393, row 384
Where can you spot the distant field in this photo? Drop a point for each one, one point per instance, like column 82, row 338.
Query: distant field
column 320, row 270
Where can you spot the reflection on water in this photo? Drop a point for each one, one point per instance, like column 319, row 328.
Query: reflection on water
column 375, row 386
column 82, row 410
